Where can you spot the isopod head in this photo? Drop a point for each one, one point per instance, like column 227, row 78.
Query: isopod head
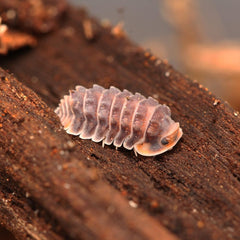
column 155, row 144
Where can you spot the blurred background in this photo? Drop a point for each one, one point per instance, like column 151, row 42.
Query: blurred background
column 200, row 38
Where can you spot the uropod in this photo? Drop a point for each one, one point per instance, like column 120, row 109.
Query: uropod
column 119, row 118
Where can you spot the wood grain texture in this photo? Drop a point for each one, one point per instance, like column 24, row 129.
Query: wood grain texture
column 193, row 190
column 48, row 189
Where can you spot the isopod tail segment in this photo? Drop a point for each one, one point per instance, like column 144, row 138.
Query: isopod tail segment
column 119, row 118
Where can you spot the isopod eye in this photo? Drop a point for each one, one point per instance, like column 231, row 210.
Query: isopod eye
column 164, row 141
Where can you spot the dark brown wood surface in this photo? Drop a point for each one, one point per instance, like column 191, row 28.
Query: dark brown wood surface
column 55, row 186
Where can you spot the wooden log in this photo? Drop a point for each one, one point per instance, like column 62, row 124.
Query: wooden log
column 192, row 190
column 47, row 189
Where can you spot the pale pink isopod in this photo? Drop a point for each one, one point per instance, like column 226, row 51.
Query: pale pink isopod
column 119, row 118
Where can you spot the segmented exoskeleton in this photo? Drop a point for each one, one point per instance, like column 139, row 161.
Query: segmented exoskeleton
column 119, row 118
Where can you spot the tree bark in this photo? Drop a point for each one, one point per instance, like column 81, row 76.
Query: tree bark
column 56, row 186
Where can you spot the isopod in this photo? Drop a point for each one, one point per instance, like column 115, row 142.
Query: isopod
column 119, row 118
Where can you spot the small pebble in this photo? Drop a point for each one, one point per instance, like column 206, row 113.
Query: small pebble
column 236, row 113
column 61, row 152
column 216, row 102
column 70, row 144
column 194, row 210
column 59, row 167
column 118, row 30
column 133, row 204
column 158, row 62
column 88, row 29
column 167, row 74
